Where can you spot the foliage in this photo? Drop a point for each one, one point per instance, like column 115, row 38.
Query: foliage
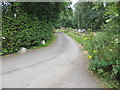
column 23, row 31
column 103, row 46
column 104, row 64
column 26, row 24
column 49, row 11
column 49, row 42
column 89, row 15
column 66, row 18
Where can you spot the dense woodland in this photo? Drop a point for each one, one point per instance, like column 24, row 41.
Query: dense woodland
column 26, row 24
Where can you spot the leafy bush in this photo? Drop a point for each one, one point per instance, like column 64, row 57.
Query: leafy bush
column 23, row 31
column 103, row 45
column 102, row 52
column 26, row 24
column 106, row 61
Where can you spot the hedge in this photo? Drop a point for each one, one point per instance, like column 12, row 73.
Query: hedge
column 23, row 31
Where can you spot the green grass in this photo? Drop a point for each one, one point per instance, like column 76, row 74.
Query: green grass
column 101, row 62
column 77, row 37
column 49, row 42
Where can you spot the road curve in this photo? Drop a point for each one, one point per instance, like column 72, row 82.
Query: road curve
column 42, row 67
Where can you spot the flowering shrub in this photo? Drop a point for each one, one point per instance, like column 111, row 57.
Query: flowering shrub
column 102, row 51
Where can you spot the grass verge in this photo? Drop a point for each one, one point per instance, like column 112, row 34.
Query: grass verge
column 100, row 62
column 48, row 43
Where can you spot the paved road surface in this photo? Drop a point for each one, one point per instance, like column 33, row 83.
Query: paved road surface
column 80, row 76
column 44, row 68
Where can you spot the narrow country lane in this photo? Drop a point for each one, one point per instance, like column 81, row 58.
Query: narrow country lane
column 80, row 76
column 42, row 68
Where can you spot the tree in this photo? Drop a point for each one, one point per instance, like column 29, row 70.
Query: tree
column 26, row 24
column 89, row 15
